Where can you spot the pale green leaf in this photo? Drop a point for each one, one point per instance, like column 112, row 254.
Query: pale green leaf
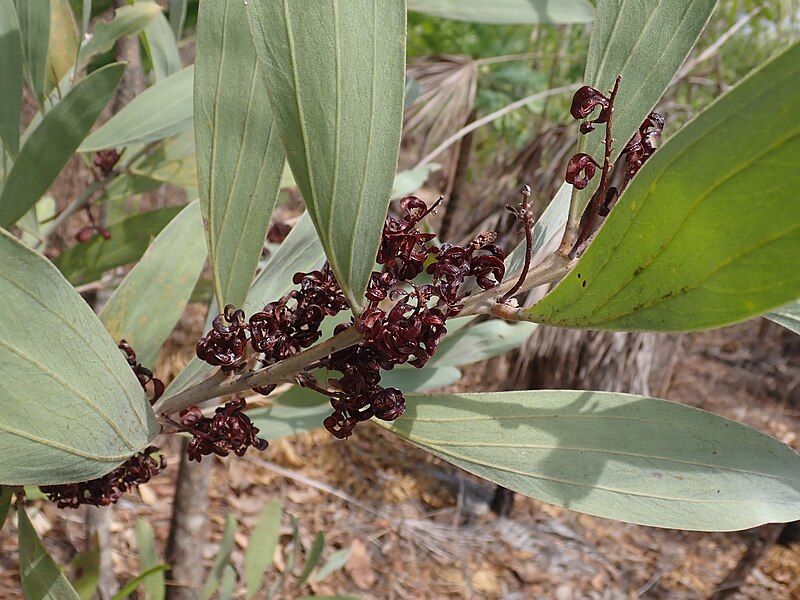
column 420, row 380
column 408, row 182
column 645, row 41
column 261, row 547
column 223, row 557
column 507, row 12
column 300, row 252
column 239, row 153
column 698, row 242
column 54, row 141
column 618, row 456
column 335, row 77
column 336, row 561
column 177, row 16
column 160, row 111
column 128, row 20
column 63, row 46
column 172, row 161
column 40, row 576
column 314, row 556
column 150, row 300
column 154, row 584
column 161, row 46
column 227, row 585
column 11, row 76
column 72, row 408
column 34, row 22
column 133, row 585
column 86, row 571
column 280, row 421
column 481, row 342
column 84, row 263
column 788, row 316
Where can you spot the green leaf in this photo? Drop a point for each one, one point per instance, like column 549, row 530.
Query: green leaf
column 788, row 316
column 54, row 140
column 87, row 262
column 280, row 421
column 148, row 559
column 160, row 111
column 134, row 583
column 261, row 547
column 86, row 572
column 177, row 16
column 618, row 456
column 63, row 46
column 335, row 76
column 72, row 408
column 222, row 560
column 481, row 342
column 239, row 154
column 172, row 162
column 420, row 380
column 645, row 41
column 336, row 561
column 314, row 556
column 408, row 182
column 6, row 494
column 41, row 578
column 299, row 252
column 227, row 586
column 11, row 76
column 150, row 300
column 34, row 22
column 676, row 252
column 162, row 47
column 128, row 20
column 507, row 12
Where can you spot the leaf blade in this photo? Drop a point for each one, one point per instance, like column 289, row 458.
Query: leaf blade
column 683, row 257
column 507, row 12
column 11, row 69
column 261, row 547
column 41, row 577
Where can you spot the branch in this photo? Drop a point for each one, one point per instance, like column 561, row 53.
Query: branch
column 220, row 384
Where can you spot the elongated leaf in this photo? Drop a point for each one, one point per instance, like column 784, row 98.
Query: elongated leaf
column 619, row 456
column 281, row 421
column 645, row 41
column 11, row 76
column 162, row 47
column 227, row 584
column 150, row 300
column 133, row 585
column 148, row 559
column 239, row 154
column 52, row 143
column 128, row 20
column 336, row 561
column 41, row 578
column 34, row 21
column 261, row 547
column 72, row 408
column 177, row 16
column 676, row 253
column 420, row 380
column 172, row 162
column 6, row 494
column 314, row 556
column 788, row 316
column 481, row 342
column 86, row 569
column 408, row 182
column 223, row 557
column 160, row 111
column 85, row 263
column 299, row 252
column 509, row 12
column 335, row 76
column 63, row 47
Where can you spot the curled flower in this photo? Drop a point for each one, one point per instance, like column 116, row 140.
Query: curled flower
column 584, row 102
column 109, row 488
column 143, row 375
column 642, row 145
column 229, row 430
column 225, row 344
column 105, row 160
column 580, row 170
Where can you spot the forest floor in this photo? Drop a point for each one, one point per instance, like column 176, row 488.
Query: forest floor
column 419, row 528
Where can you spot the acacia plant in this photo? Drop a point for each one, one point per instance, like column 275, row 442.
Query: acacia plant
column 361, row 304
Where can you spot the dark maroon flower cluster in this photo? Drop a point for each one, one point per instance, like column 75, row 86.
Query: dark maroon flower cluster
column 105, row 490
column 106, row 160
column 87, row 232
column 404, row 322
column 143, row 374
column 229, row 430
column 582, row 167
column 280, row 329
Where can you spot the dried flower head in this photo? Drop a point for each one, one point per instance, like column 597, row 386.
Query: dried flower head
column 229, row 430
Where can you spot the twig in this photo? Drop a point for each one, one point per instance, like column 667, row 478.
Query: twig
column 493, row 117
column 219, row 384
column 524, row 214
